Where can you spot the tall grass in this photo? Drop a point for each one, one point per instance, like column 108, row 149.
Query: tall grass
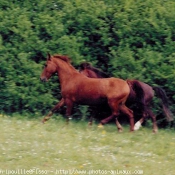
column 59, row 148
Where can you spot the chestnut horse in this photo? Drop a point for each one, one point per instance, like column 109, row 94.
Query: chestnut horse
column 144, row 106
column 77, row 88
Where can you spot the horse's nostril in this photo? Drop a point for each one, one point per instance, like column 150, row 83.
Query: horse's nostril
column 43, row 79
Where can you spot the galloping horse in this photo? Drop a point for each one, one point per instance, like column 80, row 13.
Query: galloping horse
column 77, row 88
column 88, row 70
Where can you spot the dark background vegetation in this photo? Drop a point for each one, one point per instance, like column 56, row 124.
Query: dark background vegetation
column 129, row 39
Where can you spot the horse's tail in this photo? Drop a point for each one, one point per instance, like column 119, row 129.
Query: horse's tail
column 140, row 100
column 139, row 93
column 162, row 95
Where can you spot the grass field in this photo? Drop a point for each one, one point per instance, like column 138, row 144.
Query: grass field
column 27, row 146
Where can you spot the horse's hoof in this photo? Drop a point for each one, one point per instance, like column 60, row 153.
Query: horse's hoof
column 43, row 121
column 90, row 124
column 120, row 130
column 155, row 131
column 100, row 126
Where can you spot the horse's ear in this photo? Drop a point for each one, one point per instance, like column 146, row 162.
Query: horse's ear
column 48, row 56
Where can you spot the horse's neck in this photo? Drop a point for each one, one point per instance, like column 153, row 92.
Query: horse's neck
column 92, row 74
column 99, row 73
column 65, row 71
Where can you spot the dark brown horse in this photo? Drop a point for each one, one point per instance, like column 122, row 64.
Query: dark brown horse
column 88, row 70
column 77, row 88
column 143, row 105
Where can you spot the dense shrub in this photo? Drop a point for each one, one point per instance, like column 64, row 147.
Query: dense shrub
column 127, row 39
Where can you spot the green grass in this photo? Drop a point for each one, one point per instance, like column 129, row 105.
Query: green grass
column 28, row 144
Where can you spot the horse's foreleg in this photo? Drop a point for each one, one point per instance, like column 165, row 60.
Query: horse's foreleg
column 69, row 105
column 55, row 108
column 90, row 121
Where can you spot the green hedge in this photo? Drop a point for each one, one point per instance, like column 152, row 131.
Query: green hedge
column 127, row 39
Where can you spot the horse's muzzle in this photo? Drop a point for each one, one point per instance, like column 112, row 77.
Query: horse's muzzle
column 43, row 79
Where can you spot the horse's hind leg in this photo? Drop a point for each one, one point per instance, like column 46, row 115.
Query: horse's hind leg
column 147, row 113
column 106, row 120
column 144, row 114
column 55, row 108
column 129, row 113
column 114, row 109
column 138, row 124
column 120, row 129
column 153, row 117
column 115, row 112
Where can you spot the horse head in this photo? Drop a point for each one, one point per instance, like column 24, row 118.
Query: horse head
column 49, row 69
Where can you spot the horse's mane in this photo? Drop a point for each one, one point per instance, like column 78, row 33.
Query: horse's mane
column 63, row 57
column 86, row 65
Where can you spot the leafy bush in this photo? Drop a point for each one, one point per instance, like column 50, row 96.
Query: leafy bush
column 127, row 39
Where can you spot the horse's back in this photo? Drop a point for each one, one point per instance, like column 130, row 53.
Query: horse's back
column 113, row 87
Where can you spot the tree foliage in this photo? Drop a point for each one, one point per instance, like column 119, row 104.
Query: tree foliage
column 130, row 39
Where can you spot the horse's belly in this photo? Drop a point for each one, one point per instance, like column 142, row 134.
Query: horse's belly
column 91, row 101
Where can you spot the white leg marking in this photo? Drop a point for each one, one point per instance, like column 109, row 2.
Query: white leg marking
column 137, row 126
